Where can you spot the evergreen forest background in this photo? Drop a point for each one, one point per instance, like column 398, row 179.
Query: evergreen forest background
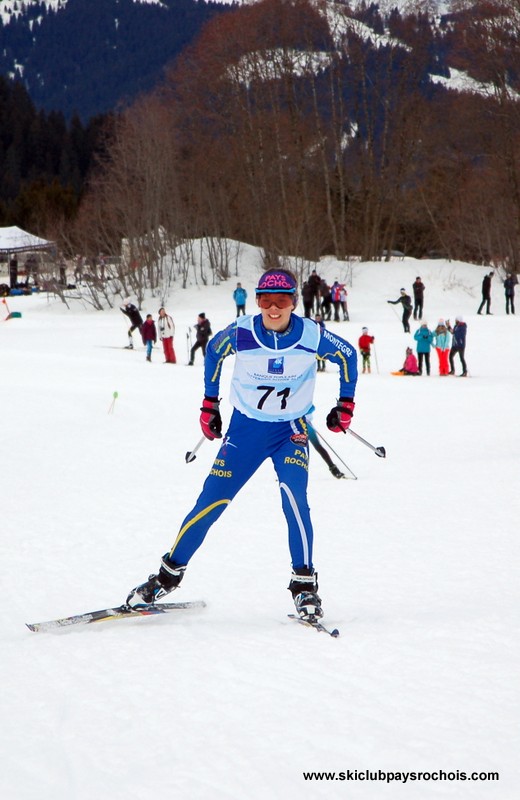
column 306, row 128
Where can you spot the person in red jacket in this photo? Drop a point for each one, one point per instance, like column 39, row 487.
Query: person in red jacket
column 364, row 348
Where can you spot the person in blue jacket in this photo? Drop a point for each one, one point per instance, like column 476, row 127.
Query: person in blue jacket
column 240, row 297
column 424, row 338
column 272, row 390
column 458, row 345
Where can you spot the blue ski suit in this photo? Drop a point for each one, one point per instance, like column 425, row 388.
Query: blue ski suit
column 271, row 391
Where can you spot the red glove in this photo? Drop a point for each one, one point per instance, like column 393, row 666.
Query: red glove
column 340, row 417
column 210, row 419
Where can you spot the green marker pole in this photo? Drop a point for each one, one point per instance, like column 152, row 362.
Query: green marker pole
column 112, row 404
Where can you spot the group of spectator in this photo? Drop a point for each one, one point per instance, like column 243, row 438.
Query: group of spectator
column 323, row 300
column 447, row 341
column 320, row 298
column 510, row 282
column 165, row 330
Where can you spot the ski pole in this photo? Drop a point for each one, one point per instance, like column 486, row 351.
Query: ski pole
column 375, row 357
column 190, row 455
column 332, row 450
column 379, row 451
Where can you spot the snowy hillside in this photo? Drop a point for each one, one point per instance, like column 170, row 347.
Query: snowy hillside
column 14, row 8
column 417, row 562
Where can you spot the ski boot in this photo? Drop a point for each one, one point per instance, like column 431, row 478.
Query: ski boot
column 336, row 471
column 157, row 586
column 304, row 589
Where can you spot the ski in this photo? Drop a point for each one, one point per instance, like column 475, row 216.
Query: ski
column 316, row 624
column 105, row 614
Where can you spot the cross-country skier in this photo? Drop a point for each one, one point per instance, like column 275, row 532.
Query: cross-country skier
column 136, row 320
column 272, row 391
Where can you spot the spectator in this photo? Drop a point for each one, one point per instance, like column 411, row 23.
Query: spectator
column 458, row 345
column 307, row 299
column 365, row 342
column 410, row 364
column 486, row 294
column 202, row 334
column 509, row 288
column 406, row 302
column 13, row 273
column 326, row 300
column 343, row 302
column 166, row 333
column 418, row 298
column 442, row 345
column 314, row 283
column 240, row 297
column 335, row 294
column 424, row 338
column 148, row 335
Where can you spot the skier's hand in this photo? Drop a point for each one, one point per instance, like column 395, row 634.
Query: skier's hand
column 210, row 419
column 340, row 417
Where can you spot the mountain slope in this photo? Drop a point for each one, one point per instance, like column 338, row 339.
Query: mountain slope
column 90, row 55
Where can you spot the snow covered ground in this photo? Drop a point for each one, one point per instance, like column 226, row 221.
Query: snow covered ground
column 418, row 563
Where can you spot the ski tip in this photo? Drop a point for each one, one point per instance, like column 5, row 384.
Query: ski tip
column 31, row 626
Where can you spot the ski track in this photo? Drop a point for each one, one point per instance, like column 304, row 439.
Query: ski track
column 417, row 566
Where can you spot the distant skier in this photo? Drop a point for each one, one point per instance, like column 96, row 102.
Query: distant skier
column 406, row 302
column 202, row 333
column 272, row 390
column 132, row 312
column 324, row 453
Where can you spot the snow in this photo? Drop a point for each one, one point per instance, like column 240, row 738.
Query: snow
column 14, row 8
column 417, row 562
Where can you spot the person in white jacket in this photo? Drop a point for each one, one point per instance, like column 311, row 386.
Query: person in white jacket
column 166, row 329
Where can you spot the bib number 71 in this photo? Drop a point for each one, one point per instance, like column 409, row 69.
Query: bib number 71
column 268, row 390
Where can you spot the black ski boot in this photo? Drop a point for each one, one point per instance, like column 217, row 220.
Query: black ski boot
column 304, row 589
column 157, row 586
column 336, row 471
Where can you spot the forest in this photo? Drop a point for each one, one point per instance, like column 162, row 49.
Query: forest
column 308, row 129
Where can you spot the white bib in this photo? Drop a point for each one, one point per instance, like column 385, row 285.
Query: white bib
column 274, row 385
